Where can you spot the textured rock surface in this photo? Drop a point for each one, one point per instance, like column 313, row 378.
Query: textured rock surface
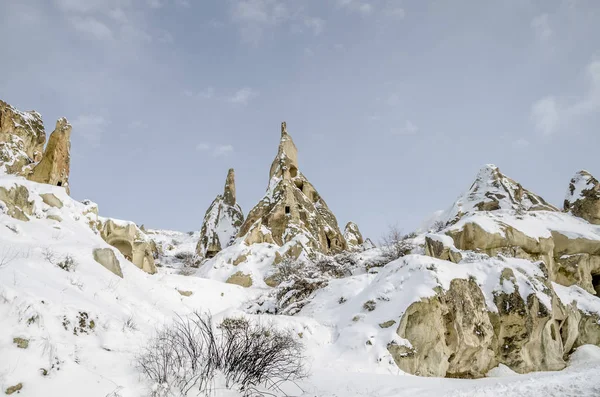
column 494, row 191
column 54, row 167
column 23, row 129
column 442, row 247
column 222, row 221
column 241, row 279
column 352, row 235
column 106, row 257
column 583, row 197
column 292, row 208
column 130, row 241
column 16, row 202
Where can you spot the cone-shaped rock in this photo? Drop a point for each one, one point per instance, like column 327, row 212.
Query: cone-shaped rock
column 55, row 165
column 292, row 209
column 494, row 191
column 583, row 197
column 353, row 236
column 222, row 221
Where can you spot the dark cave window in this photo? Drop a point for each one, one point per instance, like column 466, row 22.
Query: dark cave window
column 287, row 209
column 596, row 283
column 59, row 183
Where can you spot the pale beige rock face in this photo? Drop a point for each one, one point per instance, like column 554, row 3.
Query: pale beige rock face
column 451, row 334
column 17, row 202
column 241, row 279
column 131, row 242
column 583, row 197
column 106, row 257
column 54, row 168
column 27, row 126
column 437, row 249
column 292, row 207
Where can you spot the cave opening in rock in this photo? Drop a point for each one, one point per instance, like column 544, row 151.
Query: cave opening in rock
column 287, row 209
column 211, row 254
column 596, row 283
column 328, row 242
column 59, row 183
column 293, row 172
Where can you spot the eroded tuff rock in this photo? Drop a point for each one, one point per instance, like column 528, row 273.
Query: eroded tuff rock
column 107, row 258
column 22, row 153
column 222, row 221
column 54, row 168
column 130, row 241
column 292, row 209
column 494, row 191
column 352, row 235
column 22, row 132
column 441, row 247
column 16, row 202
column 583, row 197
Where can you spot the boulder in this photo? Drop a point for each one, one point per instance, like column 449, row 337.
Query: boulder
column 292, row 208
column 442, row 247
column 54, row 167
column 583, row 197
column 222, row 221
column 17, row 203
column 106, row 257
column 130, row 241
column 241, row 279
column 51, row 200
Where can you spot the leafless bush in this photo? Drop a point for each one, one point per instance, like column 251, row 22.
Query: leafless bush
column 187, row 354
column 438, row 226
column 130, row 324
column 395, row 245
column 331, row 267
column 190, row 261
column 9, row 254
column 49, row 255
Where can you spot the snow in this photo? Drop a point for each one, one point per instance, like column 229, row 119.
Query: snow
column 44, row 304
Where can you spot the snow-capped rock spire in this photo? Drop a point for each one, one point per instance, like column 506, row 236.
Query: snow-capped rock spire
column 493, row 191
column 222, row 221
column 292, row 209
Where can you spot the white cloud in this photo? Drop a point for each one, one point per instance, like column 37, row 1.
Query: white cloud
column 89, row 126
column 521, row 143
column 206, row 93
column 315, row 24
column 359, row 6
column 216, row 150
column 222, row 150
column 407, row 129
column 550, row 114
column 91, row 26
column 243, row 96
column 541, row 27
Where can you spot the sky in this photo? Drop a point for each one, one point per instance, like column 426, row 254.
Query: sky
column 394, row 105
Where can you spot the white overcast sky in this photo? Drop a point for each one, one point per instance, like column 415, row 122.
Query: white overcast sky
column 394, row 105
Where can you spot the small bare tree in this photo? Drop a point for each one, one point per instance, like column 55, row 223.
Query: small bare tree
column 9, row 254
column 395, row 245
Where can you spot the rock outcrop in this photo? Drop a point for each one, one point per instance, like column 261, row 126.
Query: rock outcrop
column 22, row 153
column 292, row 210
column 54, row 167
column 130, row 241
column 222, row 221
column 583, row 197
column 352, row 235
column 493, row 191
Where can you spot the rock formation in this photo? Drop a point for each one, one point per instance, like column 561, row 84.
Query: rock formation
column 54, row 167
column 352, row 235
column 292, row 210
column 222, row 221
column 583, row 197
column 22, row 138
column 107, row 258
column 493, row 191
column 130, row 241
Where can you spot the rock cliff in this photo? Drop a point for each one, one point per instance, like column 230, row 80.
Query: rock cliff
column 583, row 197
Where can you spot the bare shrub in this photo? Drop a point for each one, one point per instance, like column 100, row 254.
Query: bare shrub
column 395, row 245
column 331, row 267
column 9, row 254
column 130, row 324
column 438, row 226
column 49, row 255
column 190, row 261
column 187, row 355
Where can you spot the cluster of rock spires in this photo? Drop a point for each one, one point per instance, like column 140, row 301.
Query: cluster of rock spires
column 22, row 153
column 22, row 138
column 291, row 212
column 453, row 333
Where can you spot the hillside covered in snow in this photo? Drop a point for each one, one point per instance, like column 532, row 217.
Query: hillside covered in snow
column 497, row 295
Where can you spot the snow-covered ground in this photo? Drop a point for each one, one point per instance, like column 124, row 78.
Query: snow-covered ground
column 84, row 326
